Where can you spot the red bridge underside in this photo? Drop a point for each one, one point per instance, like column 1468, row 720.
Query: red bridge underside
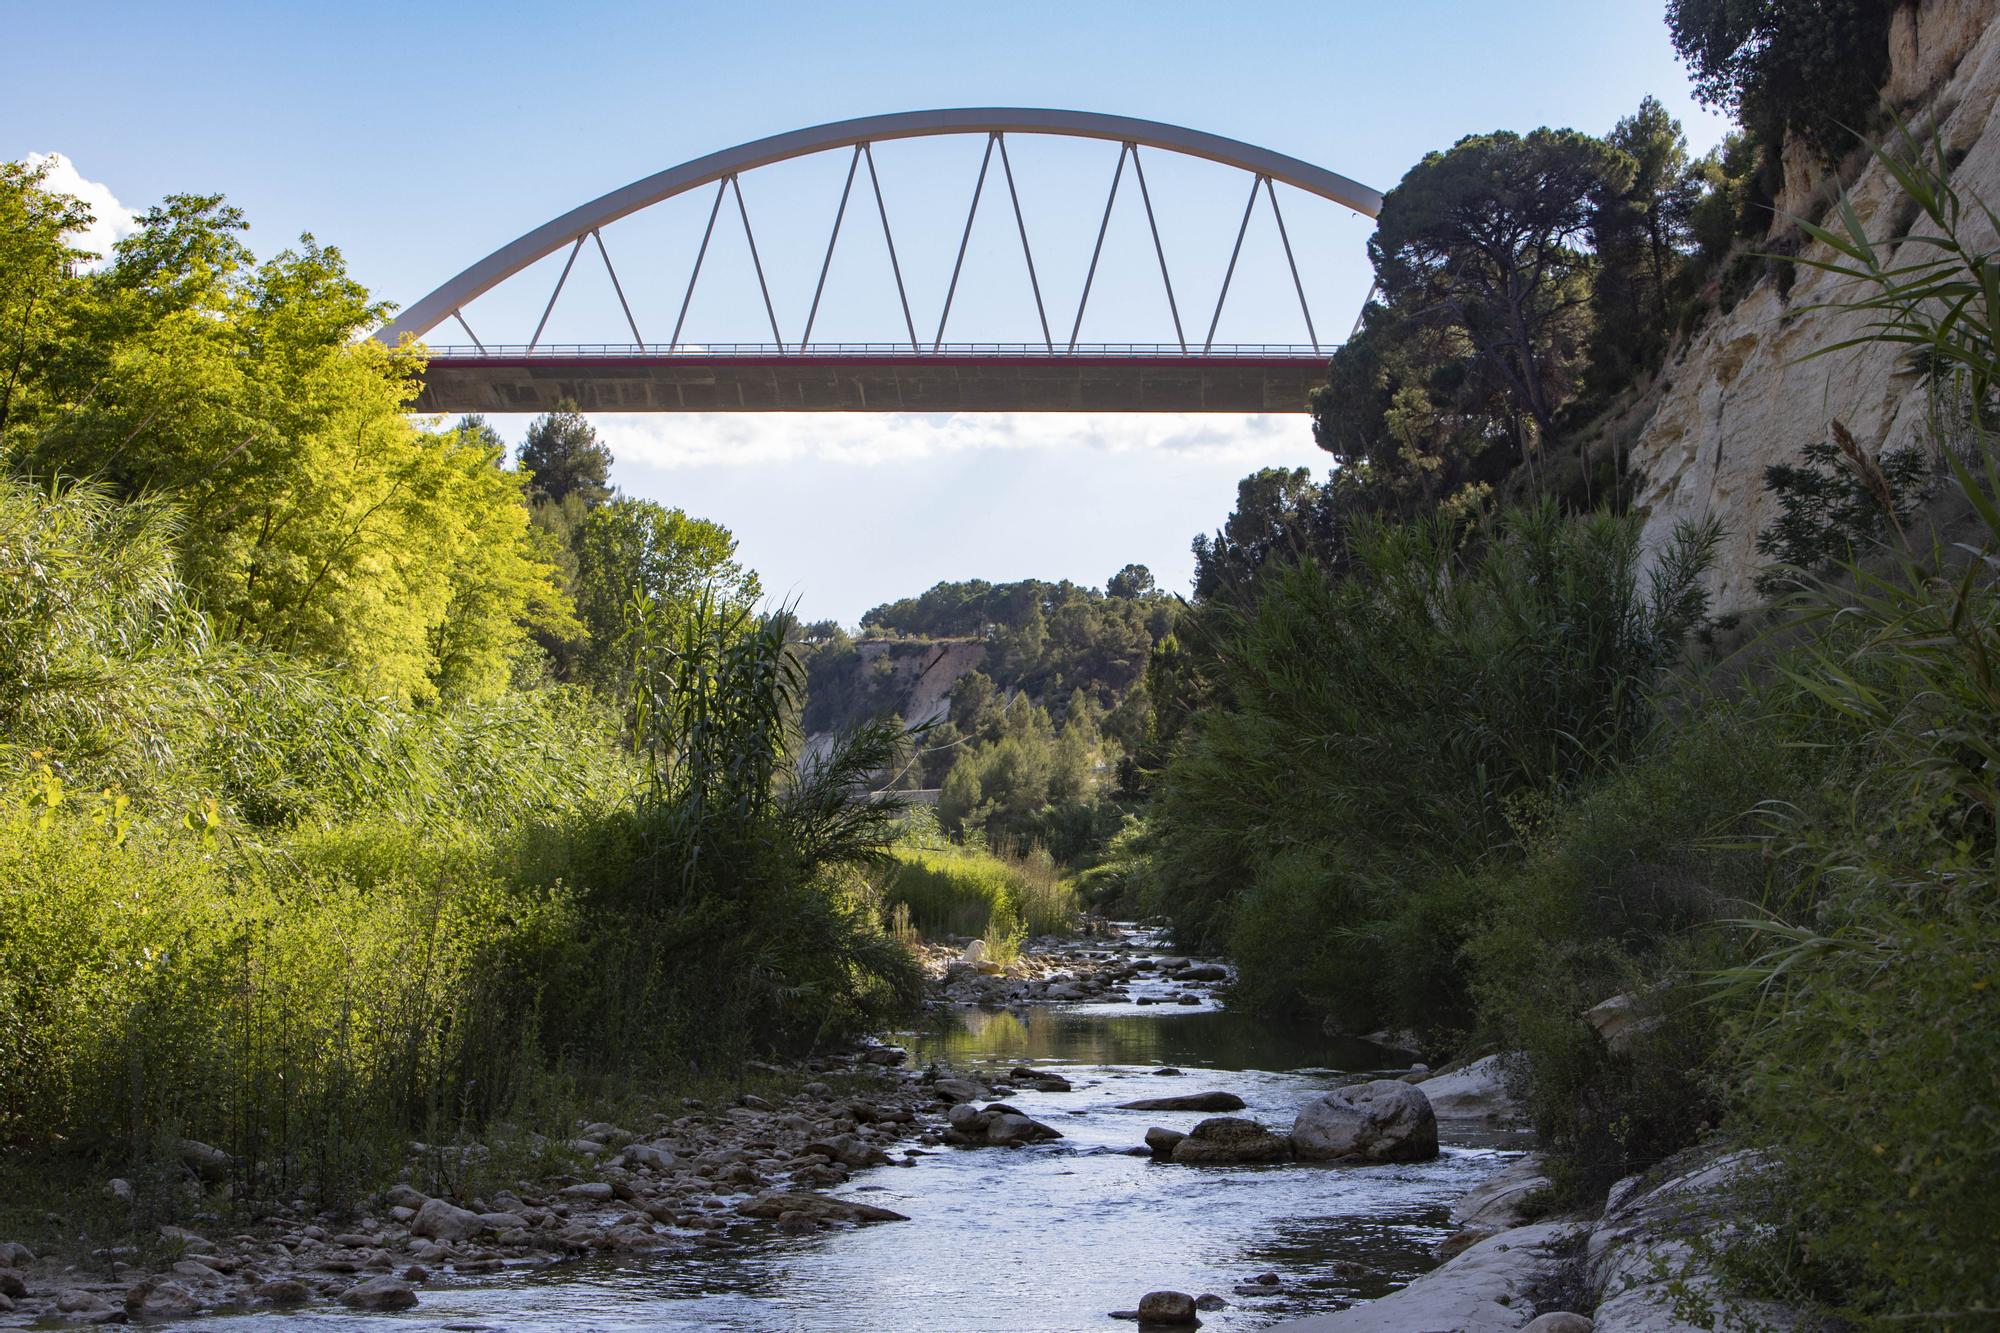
column 816, row 382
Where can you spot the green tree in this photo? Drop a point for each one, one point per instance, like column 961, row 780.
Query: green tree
column 1130, row 583
column 1813, row 67
column 634, row 549
column 565, row 456
column 1490, row 235
column 1279, row 511
column 315, row 516
column 37, row 280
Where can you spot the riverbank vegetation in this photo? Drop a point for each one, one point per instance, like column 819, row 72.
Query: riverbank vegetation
column 1442, row 752
column 341, row 802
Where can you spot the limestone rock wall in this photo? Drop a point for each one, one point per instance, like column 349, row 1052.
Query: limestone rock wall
column 1742, row 395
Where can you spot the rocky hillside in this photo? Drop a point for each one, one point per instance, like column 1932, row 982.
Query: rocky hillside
column 1742, row 394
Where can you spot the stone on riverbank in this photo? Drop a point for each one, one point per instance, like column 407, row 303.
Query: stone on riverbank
column 1476, row 1092
column 1226, row 1139
column 439, row 1220
column 1193, row 1101
column 1383, row 1121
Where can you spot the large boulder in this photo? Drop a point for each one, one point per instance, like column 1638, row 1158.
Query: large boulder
column 1387, row 1120
column 1167, row 1307
column 1222, row 1139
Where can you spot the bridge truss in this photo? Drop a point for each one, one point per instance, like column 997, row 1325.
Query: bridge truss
column 916, row 373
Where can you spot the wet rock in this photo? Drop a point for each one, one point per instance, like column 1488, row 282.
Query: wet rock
column 1042, row 1080
column 1011, row 1129
column 1560, row 1321
column 885, row 1055
column 1193, row 1101
column 1225, row 1139
column 1210, row 1301
column 1386, row 1120
column 775, row 1204
column 1167, row 1071
column 1203, row 972
column 1163, row 1141
column 960, row 1090
column 380, row 1293
column 282, row 1291
column 439, row 1220
column 797, row 1223
column 1187, row 997
column 1167, row 1307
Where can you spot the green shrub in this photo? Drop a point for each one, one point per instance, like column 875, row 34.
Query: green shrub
column 1376, row 733
column 956, row 891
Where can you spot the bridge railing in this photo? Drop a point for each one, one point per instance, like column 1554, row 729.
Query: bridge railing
column 1147, row 351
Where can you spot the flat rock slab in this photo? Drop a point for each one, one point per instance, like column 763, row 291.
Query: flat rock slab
column 1193, row 1101
column 1488, row 1289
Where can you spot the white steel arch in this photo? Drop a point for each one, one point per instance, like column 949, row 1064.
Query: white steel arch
column 574, row 226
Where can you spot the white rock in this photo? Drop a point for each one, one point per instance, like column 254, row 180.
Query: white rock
column 1476, row 1092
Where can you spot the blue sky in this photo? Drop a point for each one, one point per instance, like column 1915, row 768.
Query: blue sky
column 419, row 137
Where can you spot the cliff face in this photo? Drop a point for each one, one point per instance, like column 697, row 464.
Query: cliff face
column 1741, row 395
column 924, row 673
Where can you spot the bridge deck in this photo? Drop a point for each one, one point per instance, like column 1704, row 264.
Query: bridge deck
column 871, row 378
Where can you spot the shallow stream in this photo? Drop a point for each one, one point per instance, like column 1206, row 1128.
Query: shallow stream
column 1047, row 1238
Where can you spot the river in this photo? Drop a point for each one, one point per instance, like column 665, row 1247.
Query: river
column 1045, row 1239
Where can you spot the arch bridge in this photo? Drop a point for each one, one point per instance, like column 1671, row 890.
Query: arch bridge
column 1184, row 370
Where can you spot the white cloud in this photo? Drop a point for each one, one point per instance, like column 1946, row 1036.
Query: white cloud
column 112, row 221
column 866, row 439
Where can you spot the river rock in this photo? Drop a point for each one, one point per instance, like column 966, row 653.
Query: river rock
column 439, row 1220
column 849, row 1151
column 12, row 1284
column 1223, row 1139
column 1167, row 1307
column 1193, row 1101
column 1476, row 1092
column 1163, row 1141
column 1560, row 1321
column 1383, row 1121
column 1010, row 1129
column 1203, row 972
column 1042, row 1080
column 589, row 1191
column 153, row 1299
column 283, row 1291
column 960, row 1090
column 380, row 1293
column 774, row 1204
